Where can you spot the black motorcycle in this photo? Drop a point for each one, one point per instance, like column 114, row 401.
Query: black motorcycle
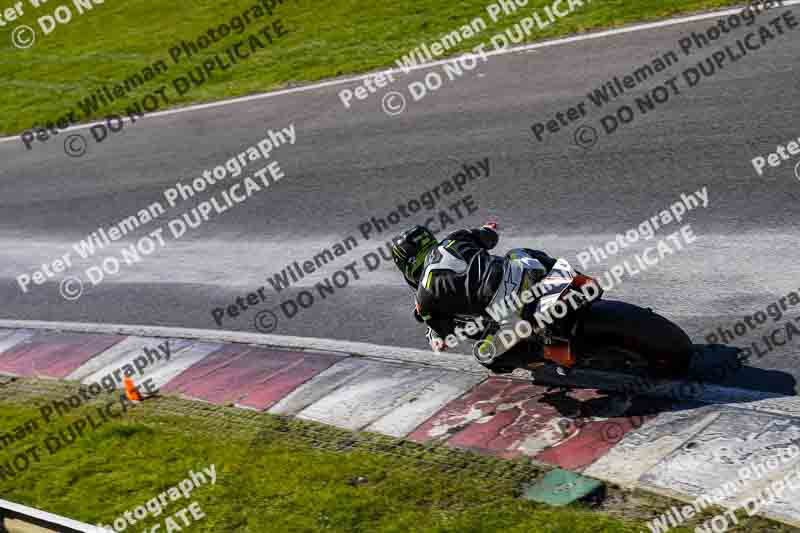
column 572, row 327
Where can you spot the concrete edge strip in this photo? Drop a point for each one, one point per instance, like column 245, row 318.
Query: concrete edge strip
column 44, row 518
column 512, row 50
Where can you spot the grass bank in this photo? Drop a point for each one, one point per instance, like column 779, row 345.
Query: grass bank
column 275, row 474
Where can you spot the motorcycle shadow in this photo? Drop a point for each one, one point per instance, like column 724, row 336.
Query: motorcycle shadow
column 717, row 374
column 724, row 365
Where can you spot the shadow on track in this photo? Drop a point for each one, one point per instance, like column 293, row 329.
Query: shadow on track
column 718, row 374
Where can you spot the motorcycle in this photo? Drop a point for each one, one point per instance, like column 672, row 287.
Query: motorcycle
column 568, row 326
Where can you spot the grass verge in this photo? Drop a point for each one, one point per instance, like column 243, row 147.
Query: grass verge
column 296, row 476
column 114, row 41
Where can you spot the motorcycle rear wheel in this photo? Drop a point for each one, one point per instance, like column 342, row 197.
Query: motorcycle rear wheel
column 625, row 337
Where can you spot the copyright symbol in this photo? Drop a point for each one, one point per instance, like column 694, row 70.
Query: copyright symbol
column 484, row 351
column 797, row 170
column 393, row 103
column 266, row 321
column 75, row 145
column 19, row 39
column 586, row 136
column 612, row 432
column 71, row 289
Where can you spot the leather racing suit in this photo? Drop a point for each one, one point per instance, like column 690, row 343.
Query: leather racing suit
column 460, row 278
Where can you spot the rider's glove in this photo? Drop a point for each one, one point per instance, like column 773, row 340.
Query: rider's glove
column 436, row 342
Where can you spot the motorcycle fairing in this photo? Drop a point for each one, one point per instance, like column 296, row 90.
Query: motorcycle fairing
column 553, row 285
column 520, row 272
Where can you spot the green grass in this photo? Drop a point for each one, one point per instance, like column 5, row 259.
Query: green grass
column 277, row 474
column 280, row 484
column 326, row 39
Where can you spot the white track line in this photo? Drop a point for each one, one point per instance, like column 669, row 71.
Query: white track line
column 512, row 50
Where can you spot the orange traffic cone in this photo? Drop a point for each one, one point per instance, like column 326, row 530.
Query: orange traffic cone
column 130, row 390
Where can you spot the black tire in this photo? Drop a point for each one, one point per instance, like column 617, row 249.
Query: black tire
column 665, row 348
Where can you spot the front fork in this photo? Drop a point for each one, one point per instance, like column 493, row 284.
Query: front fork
column 558, row 347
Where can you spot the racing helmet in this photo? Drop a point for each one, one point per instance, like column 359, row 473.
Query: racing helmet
column 409, row 250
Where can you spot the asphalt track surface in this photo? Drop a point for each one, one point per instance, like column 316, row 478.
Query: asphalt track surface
column 350, row 165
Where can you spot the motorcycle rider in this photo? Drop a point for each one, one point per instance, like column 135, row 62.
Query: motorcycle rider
column 458, row 276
